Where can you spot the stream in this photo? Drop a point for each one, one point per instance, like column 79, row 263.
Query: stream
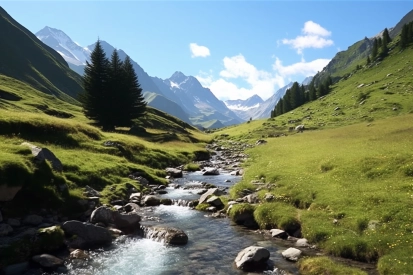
column 212, row 247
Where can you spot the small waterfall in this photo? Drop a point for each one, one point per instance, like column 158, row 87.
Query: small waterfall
column 182, row 202
column 167, row 235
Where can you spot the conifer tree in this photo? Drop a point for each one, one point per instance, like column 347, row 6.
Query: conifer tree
column 404, row 36
column 95, row 83
column 312, row 92
column 136, row 106
column 386, row 36
column 118, row 92
column 368, row 60
column 375, row 49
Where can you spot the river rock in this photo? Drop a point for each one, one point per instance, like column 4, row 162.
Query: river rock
column 129, row 207
column 78, row 254
column 210, row 192
column 7, row 193
column 212, row 171
column 128, row 222
column 86, row 235
column 135, row 196
column 292, row 254
column 173, row 172
column 90, row 192
column 102, row 214
column 33, row 220
column 48, row 261
column 167, row 235
column 5, row 229
column 252, row 258
column 278, row 233
column 303, row 242
column 215, row 201
column 151, row 201
column 43, row 154
column 234, row 173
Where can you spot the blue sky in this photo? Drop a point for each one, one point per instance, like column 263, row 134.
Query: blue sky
column 236, row 48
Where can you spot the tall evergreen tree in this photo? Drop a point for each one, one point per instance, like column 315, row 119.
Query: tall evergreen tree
column 368, row 60
column 386, row 36
column 312, row 92
column 137, row 104
column 404, row 36
column 375, row 49
column 118, row 92
column 95, row 83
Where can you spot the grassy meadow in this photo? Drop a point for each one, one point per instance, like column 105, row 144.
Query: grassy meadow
column 27, row 115
column 359, row 175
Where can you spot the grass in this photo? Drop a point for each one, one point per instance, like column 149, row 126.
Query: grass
column 83, row 150
column 358, row 174
column 324, row 265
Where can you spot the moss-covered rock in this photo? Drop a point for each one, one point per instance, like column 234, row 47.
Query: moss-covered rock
column 43, row 240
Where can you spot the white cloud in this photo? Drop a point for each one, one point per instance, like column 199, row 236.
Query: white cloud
column 198, row 51
column 312, row 28
column 262, row 83
column 300, row 68
column 313, row 37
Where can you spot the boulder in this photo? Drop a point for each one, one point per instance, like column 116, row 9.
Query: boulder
column 5, row 229
column 167, row 235
column 278, row 233
column 86, row 235
column 43, row 154
column 13, row 222
column 234, row 173
column 252, row 198
column 151, row 201
column 129, row 207
column 33, row 220
column 78, row 254
column 135, row 196
column 211, row 171
column 303, row 242
column 173, row 172
column 7, row 193
column 128, row 222
column 215, row 201
column 292, row 254
column 252, row 258
column 102, row 214
column 210, row 192
column 48, row 261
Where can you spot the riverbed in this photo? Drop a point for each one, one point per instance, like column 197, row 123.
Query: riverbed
column 212, row 247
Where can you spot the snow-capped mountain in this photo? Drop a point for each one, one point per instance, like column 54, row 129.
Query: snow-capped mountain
column 197, row 100
column 307, row 80
column 60, row 42
column 240, row 104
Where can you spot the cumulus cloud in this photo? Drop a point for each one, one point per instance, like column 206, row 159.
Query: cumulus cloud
column 198, row 51
column 238, row 70
column 314, row 36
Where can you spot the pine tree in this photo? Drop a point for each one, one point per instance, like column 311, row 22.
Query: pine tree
column 118, row 92
column 386, row 36
column 95, row 83
column 312, row 92
column 368, row 60
column 136, row 106
column 375, row 49
column 404, row 36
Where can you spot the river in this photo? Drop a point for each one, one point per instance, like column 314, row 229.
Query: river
column 212, row 247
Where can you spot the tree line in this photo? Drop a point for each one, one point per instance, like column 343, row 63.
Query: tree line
column 298, row 95
column 112, row 94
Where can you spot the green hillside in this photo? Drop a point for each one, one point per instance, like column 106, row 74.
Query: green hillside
column 26, row 58
column 346, row 181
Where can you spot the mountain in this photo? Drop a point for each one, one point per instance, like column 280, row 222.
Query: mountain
column 200, row 103
column 405, row 20
column 24, row 58
column 254, row 107
column 307, row 80
column 179, row 95
column 60, row 42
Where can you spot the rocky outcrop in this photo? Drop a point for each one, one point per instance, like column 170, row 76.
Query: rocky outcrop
column 252, row 258
column 174, row 172
column 43, row 154
column 167, row 235
column 7, row 193
column 86, row 235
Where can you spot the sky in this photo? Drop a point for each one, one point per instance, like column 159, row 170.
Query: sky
column 235, row 48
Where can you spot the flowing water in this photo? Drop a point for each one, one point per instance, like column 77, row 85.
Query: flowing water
column 212, row 247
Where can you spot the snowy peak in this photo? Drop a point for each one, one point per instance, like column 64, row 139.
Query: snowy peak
column 66, row 47
column 178, row 78
column 240, row 104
